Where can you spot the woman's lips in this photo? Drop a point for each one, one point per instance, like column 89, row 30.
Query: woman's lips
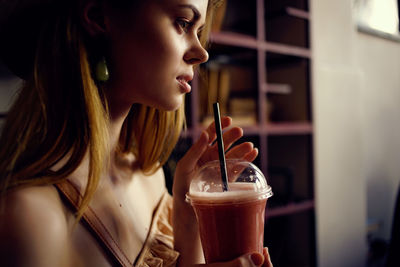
column 186, row 88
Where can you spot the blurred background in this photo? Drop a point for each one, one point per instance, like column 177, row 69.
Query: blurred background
column 315, row 84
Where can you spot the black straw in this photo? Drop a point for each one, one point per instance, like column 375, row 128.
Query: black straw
column 220, row 143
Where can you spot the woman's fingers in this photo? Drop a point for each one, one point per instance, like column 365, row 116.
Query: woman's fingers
column 240, row 150
column 192, row 156
column 225, row 122
column 245, row 151
column 231, row 136
column 252, row 155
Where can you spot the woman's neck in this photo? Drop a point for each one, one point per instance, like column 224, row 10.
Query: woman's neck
column 119, row 165
column 118, row 112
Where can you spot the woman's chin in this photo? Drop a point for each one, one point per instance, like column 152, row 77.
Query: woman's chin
column 174, row 108
column 169, row 106
column 173, row 104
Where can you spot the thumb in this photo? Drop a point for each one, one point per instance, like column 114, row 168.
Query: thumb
column 192, row 156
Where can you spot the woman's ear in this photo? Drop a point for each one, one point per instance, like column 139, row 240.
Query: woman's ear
column 93, row 17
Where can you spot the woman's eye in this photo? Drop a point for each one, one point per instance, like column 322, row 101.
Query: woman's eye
column 184, row 24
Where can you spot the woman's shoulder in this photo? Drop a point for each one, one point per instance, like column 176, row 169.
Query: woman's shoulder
column 33, row 227
column 35, row 202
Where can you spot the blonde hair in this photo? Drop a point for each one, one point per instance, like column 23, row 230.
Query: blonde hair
column 61, row 114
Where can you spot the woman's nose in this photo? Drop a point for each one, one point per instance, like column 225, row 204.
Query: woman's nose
column 196, row 54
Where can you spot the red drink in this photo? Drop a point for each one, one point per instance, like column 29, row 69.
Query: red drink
column 231, row 223
column 230, row 228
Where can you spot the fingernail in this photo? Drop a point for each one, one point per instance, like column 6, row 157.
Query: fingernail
column 257, row 258
column 251, row 144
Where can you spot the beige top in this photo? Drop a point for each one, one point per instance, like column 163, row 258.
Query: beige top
column 158, row 248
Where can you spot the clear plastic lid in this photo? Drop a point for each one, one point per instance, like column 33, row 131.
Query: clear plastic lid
column 245, row 182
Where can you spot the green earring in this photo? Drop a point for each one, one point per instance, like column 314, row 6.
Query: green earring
column 102, row 74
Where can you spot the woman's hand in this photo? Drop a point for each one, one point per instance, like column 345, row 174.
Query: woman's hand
column 247, row 260
column 186, row 236
column 205, row 150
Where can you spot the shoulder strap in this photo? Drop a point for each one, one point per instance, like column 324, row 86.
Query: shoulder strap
column 73, row 196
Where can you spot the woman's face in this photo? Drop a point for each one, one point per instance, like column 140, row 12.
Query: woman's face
column 153, row 51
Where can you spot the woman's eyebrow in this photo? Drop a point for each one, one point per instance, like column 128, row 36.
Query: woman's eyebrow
column 196, row 12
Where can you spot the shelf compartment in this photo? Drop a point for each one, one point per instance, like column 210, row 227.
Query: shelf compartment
column 290, row 168
column 277, row 31
column 294, row 72
column 221, row 53
column 231, row 78
column 292, row 235
column 287, row 22
column 273, row 5
column 240, row 17
column 288, row 11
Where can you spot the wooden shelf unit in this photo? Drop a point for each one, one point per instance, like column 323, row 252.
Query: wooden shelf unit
column 276, row 76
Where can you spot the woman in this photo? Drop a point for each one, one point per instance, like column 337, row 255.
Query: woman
column 98, row 115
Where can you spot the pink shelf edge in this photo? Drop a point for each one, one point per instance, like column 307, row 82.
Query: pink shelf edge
column 298, row 13
column 289, row 209
column 289, row 128
column 232, row 38
column 242, row 40
column 276, row 88
column 285, row 128
column 282, row 128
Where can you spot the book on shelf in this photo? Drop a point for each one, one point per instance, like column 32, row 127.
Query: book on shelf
column 238, row 120
column 242, row 106
column 215, row 87
column 228, row 85
column 218, row 17
column 242, row 110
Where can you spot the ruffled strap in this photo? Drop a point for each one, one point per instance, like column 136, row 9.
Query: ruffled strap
column 158, row 250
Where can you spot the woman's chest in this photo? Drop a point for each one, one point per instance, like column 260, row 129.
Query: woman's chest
column 122, row 217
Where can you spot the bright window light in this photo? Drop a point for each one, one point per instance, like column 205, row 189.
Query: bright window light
column 380, row 15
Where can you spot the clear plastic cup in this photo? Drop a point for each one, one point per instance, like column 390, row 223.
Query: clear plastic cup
column 231, row 223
